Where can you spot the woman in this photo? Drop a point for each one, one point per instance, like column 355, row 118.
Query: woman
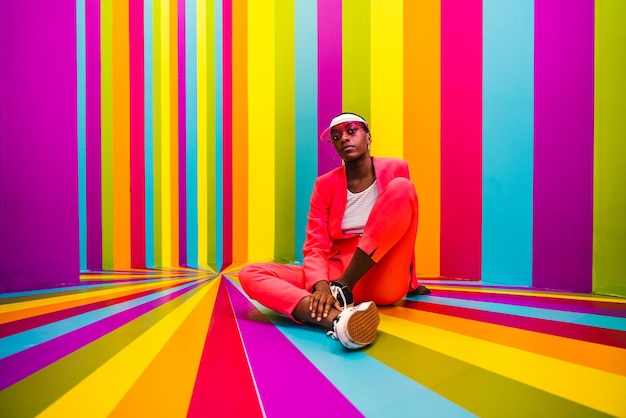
column 359, row 245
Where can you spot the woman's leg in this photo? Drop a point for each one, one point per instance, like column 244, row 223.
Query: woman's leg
column 380, row 267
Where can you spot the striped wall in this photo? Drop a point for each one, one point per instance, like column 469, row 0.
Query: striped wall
column 199, row 124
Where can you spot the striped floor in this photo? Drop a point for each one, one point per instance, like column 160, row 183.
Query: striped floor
column 190, row 343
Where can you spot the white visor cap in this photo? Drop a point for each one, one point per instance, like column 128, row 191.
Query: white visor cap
column 337, row 120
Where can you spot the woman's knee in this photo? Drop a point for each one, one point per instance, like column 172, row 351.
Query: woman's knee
column 402, row 185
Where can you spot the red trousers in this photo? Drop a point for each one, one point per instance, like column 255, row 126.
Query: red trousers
column 388, row 237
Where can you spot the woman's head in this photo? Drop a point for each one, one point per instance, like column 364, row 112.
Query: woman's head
column 350, row 135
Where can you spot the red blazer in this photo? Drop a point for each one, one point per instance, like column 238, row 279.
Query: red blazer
column 327, row 251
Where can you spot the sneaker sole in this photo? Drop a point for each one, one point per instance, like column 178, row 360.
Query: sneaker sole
column 362, row 325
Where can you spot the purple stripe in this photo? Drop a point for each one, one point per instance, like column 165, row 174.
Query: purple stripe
column 182, row 139
column 563, row 176
column 328, row 77
column 23, row 364
column 265, row 346
column 535, row 302
column 94, row 192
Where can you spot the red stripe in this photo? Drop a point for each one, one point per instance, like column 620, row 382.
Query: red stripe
column 562, row 329
column 461, row 138
column 137, row 165
column 224, row 386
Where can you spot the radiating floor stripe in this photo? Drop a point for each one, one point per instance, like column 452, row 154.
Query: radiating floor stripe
column 600, row 321
column 597, row 356
column 535, row 292
column 133, row 359
column 592, row 388
column 183, row 349
column 265, row 345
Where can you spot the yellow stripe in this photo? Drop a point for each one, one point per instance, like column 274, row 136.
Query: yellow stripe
column 102, row 390
column 261, row 104
column 567, row 296
column 387, row 73
column 178, row 388
column 202, row 134
column 166, row 172
column 593, row 388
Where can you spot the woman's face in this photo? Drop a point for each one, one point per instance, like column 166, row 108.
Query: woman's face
column 350, row 140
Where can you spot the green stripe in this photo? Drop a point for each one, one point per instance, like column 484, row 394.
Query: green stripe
column 609, row 223
column 211, row 140
column 18, row 400
column 356, row 57
column 477, row 390
column 156, row 139
column 106, row 95
column 284, row 246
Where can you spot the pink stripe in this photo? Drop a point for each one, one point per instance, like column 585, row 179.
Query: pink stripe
column 182, row 138
column 227, row 132
column 328, row 76
column 137, row 165
column 563, row 176
column 94, row 191
column 461, row 138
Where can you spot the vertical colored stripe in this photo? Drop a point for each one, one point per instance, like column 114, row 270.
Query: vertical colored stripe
column 461, row 73
column 149, row 107
column 121, row 136
column 172, row 160
column 261, row 132
column 203, row 220
column 92, row 115
column 240, row 130
column 356, row 56
column 507, row 141
column 284, row 119
column 81, row 131
column 182, row 135
column 422, row 114
column 106, row 88
column 386, row 84
column 210, row 139
column 563, row 180
column 219, row 133
column 191, row 130
column 157, row 133
column 137, row 148
column 306, row 127
column 609, row 242
column 227, row 134
column 329, row 75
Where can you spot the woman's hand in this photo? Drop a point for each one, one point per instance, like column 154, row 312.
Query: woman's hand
column 322, row 301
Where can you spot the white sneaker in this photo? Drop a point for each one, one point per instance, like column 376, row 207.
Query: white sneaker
column 355, row 327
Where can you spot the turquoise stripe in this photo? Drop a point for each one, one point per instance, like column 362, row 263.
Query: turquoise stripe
column 306, row 113
column 598, row 321
column 18, row 342
column 149, row 131
column 191, row 77
column 330, row 358
column 81, row 90
column 219, row 138
column 508, row 60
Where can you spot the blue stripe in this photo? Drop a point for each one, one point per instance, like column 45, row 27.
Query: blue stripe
column 191, row 77
column 592, row 320
column 24, row 340
column 508, row 68
column 306, row 113
column 149, row 131
column 81, row 79
column 219, row 138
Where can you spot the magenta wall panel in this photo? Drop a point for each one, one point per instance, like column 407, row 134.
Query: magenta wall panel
column 39, row 145
column 563, row 175
column 461, row 138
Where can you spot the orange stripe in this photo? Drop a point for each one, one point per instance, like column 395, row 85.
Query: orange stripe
column 174, row 130
column 240, row 130
column 121, row 136
column 421, row 124
column 597, row 356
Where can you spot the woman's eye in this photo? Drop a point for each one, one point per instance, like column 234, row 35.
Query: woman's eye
column 351, row 131
column 335, row 137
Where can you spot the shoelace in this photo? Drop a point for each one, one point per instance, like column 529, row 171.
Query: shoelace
column 332, row 334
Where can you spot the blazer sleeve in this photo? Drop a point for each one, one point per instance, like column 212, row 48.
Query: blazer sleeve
column 317, row 243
